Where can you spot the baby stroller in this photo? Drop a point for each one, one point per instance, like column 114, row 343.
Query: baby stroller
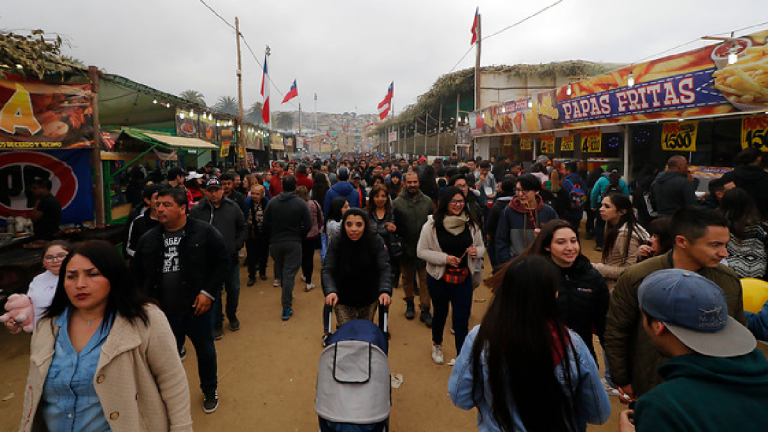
column 353, row 382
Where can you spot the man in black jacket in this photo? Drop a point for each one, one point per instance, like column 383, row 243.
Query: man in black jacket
column 181, row 264
column 287, row 220
column 672, row 188
column 750, row 176
column 227, row 217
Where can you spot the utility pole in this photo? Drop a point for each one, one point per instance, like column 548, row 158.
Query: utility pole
column 439, row 122
column 415, row 125
column 478, row 49
column 426, row 126
column 240, row 117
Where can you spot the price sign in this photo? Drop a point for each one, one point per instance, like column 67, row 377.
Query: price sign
column 240, row 152
column 224, row 149
column 548, row 144
column 754, row 132
column 679, row 136
column 508, row 141
column 566, row 143
column 591, row 141
column 526, row 142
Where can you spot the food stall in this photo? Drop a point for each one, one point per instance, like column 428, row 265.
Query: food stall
column 706, row 104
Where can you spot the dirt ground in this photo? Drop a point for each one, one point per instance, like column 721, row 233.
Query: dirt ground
column 268, row 369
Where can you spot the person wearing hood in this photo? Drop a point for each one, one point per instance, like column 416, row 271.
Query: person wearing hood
column 287, row 220
column 750, row 176
column 342, row 188
column 672, row 188
column 521, row 219
column 503, row 198
column 716, row 378
column 227, row 217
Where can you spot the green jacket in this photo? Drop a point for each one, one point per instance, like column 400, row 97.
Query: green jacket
column 632, row 358
column 415, row 213
column 706, row 394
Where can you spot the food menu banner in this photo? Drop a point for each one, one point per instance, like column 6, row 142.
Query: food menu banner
column 207, row 130
column 224, row 149
column 695, row 83
column 679, row 136
column 277, row 142
column 754, row 132
column 548, row 143
column 526, row 142
column 591, row 141
column 566, row 143
column 35, row 115
column 187, row 125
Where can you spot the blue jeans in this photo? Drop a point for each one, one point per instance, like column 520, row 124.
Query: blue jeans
column 460, row 297
column 323, row 246
column 200, row 332
column 287, row 256
column 232, row 287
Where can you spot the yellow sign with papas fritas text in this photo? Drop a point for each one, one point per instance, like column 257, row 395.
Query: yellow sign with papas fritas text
column 754, row 132
column 679, row 136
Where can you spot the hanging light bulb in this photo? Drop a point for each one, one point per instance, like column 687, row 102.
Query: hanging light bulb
column 191, row 113
column 181, row 115
column 733, row 57
column 218, row 124
column 631, row 79
column 154, row 101
column 530, row 103
column 568, row 91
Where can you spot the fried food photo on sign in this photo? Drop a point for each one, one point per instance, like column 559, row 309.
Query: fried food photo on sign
column 746, row 81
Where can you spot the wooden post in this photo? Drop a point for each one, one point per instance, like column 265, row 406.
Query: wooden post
column 98, row 167
column 240, row 116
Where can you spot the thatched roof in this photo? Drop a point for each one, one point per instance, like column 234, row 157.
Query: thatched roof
column 35, row 54
column 462, row 83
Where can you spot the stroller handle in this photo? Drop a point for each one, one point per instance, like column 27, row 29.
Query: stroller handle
column 328, row 319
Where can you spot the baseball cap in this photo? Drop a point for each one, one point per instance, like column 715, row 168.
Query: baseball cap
column 193, row 175
column 422, row 159
column 355, row 175
column 342, row 173
column 694, row 309
column 213, row 183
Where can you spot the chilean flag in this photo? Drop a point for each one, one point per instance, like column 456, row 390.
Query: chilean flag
column 475, row 24
column 387, row 102
column 265, row 93
column 292, row 93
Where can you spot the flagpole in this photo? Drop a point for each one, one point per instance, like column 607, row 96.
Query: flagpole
column 415, row 125
column 478, row 49
column 239, row 157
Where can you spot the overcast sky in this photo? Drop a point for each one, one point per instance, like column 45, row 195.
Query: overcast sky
column 348, row 51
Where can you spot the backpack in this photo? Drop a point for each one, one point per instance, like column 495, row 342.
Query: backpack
column 577, row 197
column 611, row 188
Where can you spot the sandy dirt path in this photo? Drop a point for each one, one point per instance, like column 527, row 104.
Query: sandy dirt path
column 268, row 369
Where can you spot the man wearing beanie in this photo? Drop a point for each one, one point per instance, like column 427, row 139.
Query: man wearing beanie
column 716, row 379
column 342, row 188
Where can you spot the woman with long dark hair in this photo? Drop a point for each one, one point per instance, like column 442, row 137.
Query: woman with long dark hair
column 522, row 368
column 103, row 351
column 395, row 184
column 312, row 241
column 746, row 247
column 356, row 272
column 623, row 238
column 384, row 222
column 451, row 243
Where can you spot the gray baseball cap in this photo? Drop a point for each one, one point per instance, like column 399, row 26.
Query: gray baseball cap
column 695, row 310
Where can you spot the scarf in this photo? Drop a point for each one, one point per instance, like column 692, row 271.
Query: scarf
column 455, row 224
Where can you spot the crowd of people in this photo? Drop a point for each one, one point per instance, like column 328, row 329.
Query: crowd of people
column 663, row 301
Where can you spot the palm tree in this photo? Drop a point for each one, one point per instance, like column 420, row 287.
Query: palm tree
column 253, row 115
column 284, row 120
column 193, row 96
column 227, row 104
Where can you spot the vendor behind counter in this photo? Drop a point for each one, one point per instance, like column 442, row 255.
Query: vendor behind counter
column 46, row 214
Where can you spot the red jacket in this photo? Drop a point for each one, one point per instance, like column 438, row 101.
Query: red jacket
column 303, row 180
column 275, row 185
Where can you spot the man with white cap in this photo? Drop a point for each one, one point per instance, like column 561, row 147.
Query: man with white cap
column 716, row 379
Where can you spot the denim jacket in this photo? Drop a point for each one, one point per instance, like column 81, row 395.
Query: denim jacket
column 594, row 406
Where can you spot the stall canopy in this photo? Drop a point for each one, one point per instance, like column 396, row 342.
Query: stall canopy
column 168, row 141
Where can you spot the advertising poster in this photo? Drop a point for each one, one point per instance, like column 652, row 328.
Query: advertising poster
column 754, row 132
column 566, row 143
column 224, row 149
column 526, row 142
column 207, row 129
column 679, row 136
column 591, row 141
column 68, row 170
column 507, row 141
column 187, row 125
column 42, row 116
column 548, row 143
column 277, row 142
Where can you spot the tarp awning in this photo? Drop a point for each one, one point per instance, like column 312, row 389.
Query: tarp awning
column 182, row 143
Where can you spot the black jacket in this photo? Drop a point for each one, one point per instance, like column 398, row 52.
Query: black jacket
column 583, row 300
column 227, row 218
column 286, row 218
column 670, row 191
column 368, row 287
column 203, row 259
column 754, row 180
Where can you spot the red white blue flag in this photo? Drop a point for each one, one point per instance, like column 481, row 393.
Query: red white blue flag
column 265, row 93
column 385, row 105
column 292, row 93
column 475, row 25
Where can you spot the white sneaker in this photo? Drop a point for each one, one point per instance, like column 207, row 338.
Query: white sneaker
column 608, row 389
column 437, row 354
column 452, row 362
column 309, row 287
column 276, row 283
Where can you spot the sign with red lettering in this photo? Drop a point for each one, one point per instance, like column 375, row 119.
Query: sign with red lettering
column 548, row 143
column 525, row 142
column 34, row 115
column 224, row 149
column 566, row 143
column 754, row 132
column 679, row 136
column 591, row 141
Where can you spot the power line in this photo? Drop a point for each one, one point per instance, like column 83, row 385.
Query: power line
column 524, row 19
column 248, row 46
